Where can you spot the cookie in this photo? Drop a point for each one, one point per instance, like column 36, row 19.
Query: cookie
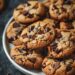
column 1, row 4
column 29, row 59
column 29, row 12
column 13, row 31
column 62, row 11
column 63, row 45
column 38, row 34
column 58, row 67
column 67, row 25
column 47, row 3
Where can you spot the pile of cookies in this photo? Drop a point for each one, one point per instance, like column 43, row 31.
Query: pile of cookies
column 43, row 35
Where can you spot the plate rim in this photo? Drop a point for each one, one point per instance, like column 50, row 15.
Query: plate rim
column 20, row 68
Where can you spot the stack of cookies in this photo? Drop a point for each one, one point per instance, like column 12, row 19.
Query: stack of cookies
column 43, row 35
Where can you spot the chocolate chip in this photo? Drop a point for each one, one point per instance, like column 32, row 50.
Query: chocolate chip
column 30, row 36
column 30, row 15
column 54, row 47
column 31, row 28
column 28, row 4
column 24, row 36
column 51, row 33
column 54, row 44
column 56, row 65
column 25, row 13
column 35, row 7
column 55, row 7
column 44, row 65
column 32, row 59
column 21, row 50
column 69, row 68
column 11, row 39
column 68, row 1
column 15, row 25
column 58, row 35
column 40, row 32
column 47, row 29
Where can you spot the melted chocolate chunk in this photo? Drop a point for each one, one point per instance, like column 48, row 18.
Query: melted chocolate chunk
column 24, row 36
column 40, row 32
column 25, row 13
column 30, row 36
column 28, row 4
column 68, row 1
column 47, row 29
column 55, row 7
column 54, row 45
column 31, row 28
column 35, row 7
column 32, row 59
column 22, row 50
column 11, row 39
column 69, row 68
column 15, row 25
column 57, row 51
column 30, row 15
column 56, row 65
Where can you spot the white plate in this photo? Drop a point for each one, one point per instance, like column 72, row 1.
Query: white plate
column 7, row 47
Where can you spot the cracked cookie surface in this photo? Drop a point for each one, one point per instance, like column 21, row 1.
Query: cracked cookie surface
column 58, row 67
column 63, row 45
column 29, row 12
column 13, row 31
column 38, row 35
column 29, row 59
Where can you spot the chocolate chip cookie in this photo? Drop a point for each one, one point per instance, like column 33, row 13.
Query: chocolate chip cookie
column 14, row 30
column 29, row 12
column 29, row 59
column 64, row 25
column 58, row 67
column 38, row 34
column 63, row 45
column 47, row 3
column 62, row 11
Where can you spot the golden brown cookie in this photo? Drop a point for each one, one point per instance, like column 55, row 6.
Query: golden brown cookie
column 30, row 59
column 38, row 34
column 29, row 12
column 62, row 11
column 59, row 67
column 63, row 45
column 13, row 31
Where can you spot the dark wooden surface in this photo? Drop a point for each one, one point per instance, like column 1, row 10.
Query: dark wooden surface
column 6, row 68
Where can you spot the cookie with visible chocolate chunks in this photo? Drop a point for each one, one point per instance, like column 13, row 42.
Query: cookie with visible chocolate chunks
column 13, row 31
column 58, row 67
column 47, row 3
column 62, row 11
column 29, row 12
column 65, row 25
column 30, row 59
column 63, row 45
column 38, row 34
